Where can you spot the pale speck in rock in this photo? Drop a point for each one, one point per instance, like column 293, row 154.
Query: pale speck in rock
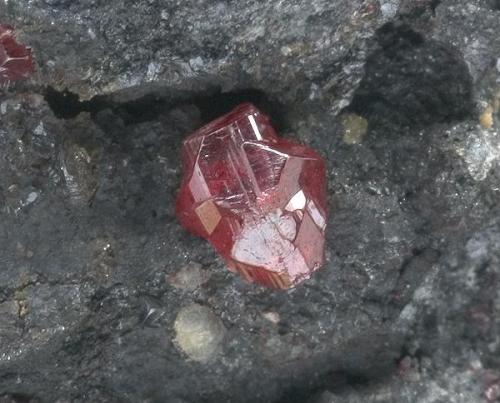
column 271, row 316
column 199, row 332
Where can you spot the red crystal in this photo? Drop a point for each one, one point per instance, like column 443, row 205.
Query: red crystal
column 258, row 198
column 16, row 62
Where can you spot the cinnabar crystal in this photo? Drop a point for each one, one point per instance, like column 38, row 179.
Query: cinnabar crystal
column 258, row 198
column 16, row 62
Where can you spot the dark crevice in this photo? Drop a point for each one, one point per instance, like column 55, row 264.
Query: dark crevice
column 418, row 13
column 217, row 104
column 413, row 81
column 18, row 398
column 355, row 369
column 434, row 4
column 211, row 104
column 67, row 105
column 338, row 382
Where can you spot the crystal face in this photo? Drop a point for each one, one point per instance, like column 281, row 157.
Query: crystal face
column 16, row 62
column 259, row 199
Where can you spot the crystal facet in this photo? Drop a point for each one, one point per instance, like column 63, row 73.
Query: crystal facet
column 16, row 62
column 258, row 198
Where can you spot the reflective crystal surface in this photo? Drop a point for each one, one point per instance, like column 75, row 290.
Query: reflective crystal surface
column 16, row 62
column 258, row 198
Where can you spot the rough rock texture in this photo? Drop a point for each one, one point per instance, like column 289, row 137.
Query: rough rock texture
column 93, row 262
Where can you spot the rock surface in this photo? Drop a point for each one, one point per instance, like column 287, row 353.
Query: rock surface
column 407, row 307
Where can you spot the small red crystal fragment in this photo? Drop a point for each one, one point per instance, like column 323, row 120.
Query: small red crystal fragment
column 258, row 198
column 16, row 62
column 492, row 392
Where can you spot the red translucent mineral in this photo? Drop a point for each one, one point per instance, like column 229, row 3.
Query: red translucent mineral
column 259, row 199
column 16, row 62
